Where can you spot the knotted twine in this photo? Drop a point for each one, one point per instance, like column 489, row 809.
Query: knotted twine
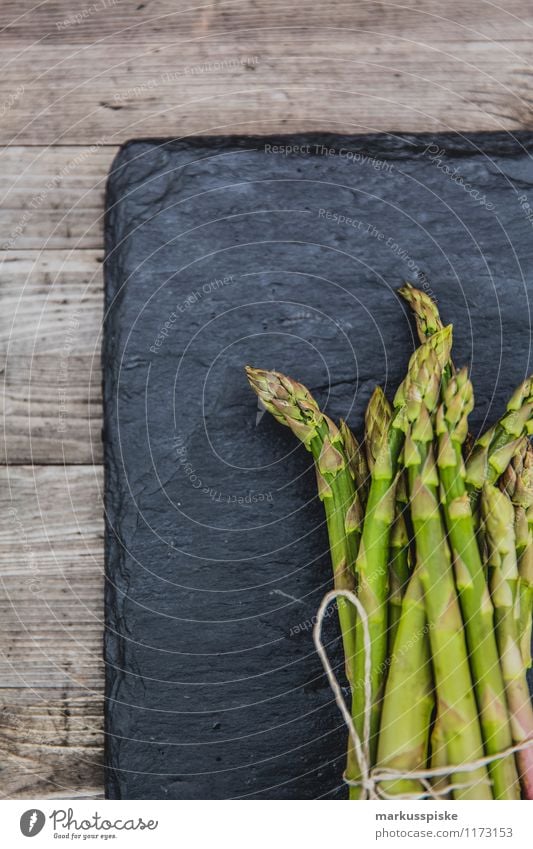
column 371, row 777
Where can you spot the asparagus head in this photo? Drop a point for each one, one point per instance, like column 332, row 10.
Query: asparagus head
column 356, row 461
column 494, row 450
column 378, row 417
column 428, row 321
column 292, row 405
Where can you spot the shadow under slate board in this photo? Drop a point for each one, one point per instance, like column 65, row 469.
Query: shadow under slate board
column 284, row 253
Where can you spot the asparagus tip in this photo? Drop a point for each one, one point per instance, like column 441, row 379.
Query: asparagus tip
column 428, row 320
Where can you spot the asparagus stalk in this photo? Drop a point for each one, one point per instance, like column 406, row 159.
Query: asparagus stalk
column 498, row 515
column 517, row 482
column 292, row 405
column 494, row 450
column 399, row 570
column 428, row 320
column 357, row 463
column 372, row 571
column 439, row 760
column 383, row 445
column 455, row 699
column 408, row 700
column 374, row 550
column 371, row 568
column 476, row 606
column 378, row 417
column 525, row 619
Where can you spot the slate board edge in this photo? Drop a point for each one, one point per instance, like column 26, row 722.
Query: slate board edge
column 390, row 145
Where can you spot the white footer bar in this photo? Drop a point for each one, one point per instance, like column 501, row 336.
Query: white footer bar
column 265, row 825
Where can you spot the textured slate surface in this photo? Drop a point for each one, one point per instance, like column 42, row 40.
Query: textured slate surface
column 225, row 251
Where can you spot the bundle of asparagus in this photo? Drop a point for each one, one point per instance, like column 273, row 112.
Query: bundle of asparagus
column 435, row 537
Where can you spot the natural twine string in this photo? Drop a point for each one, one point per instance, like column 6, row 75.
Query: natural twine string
column 372, row 777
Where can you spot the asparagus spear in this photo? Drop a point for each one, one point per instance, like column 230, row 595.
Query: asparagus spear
column 408, row 700
column 399, row 570
column 455, row 699
column 378, row 417
column 476, row 606
column 517, row 482
column 525, row 620
column 374, row 549
column 383, row 441
column 357, row 463
column 425, row 310
column 495, row 448
column 428, row 320
column 438, row 758
column 372, row 567
column 498, row 515
column 292, row 405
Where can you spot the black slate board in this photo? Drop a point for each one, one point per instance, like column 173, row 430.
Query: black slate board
column 224, row 251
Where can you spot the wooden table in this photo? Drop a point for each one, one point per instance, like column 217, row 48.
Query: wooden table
column 77, row 80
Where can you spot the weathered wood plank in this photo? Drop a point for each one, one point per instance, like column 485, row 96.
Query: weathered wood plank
column 166, row 67
column 51, row 562
column 51, row 309
column 51, row 746
column 51, row 410
column 52, row 197
column 51, row 615
column 164, row 20
column 51, row 302
column 261, row 80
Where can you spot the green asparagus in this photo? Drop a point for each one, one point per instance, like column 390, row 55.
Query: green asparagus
column 408, row 701
column 476, row 606
column 517, row 482
column 498, row 516
column 292, row 405
column 448, row 600
column 455, row 699
column 372, row 564
column 494, row 450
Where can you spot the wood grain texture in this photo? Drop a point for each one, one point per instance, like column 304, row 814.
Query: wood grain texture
column 51, row 744
column 77, row 80
column 244, row 66
column 51, row 620
column 52, row 198
column 48, row 296
column 50, row 323
column 159, row 21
